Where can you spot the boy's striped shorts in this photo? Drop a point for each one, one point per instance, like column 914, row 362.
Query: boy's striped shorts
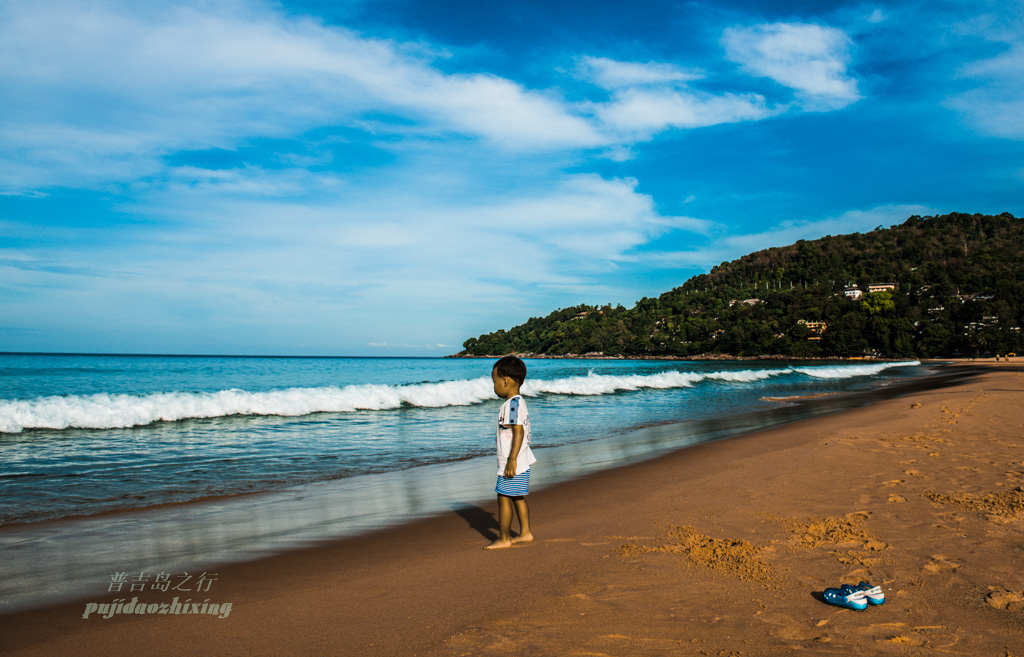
column 514, row 487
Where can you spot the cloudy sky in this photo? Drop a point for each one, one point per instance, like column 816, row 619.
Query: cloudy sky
column 391, row 177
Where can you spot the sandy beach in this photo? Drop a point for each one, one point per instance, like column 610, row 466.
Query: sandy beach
column 719, row 549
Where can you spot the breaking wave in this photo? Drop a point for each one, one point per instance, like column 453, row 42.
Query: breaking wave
column 110, row 411
column 850, row 371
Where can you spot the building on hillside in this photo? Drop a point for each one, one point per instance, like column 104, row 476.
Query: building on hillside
column 881, row 287
column 816, row 328
column 853, row 292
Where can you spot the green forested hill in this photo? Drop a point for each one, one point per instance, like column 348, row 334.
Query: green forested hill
column 959, row 290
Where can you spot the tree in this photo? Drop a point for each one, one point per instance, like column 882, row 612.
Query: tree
column 875, row 303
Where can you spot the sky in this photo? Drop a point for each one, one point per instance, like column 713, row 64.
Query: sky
column 392, row 177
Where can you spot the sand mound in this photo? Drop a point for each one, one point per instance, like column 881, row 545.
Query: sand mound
column 835, row 530
column 1007, row 504
column 734, row 557
column 1006, row 599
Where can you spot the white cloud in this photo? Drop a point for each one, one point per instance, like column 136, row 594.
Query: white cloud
column 784, row 233
column 996, row 106
column 505, row 112
column 643, row 112
column 877, row 16
column 852, row 221
column 99, row 91
column 648, row 98
column 249, row 181
column 811, row 59
column 394, row 266
column 587, row 220
column 611, row 74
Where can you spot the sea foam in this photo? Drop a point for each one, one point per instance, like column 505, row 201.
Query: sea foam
column 109, row 411
column 850, row 371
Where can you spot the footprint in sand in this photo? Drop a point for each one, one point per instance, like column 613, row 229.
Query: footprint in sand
column 936, row 637
column 905, row 640
column 860, row 574
column 897, row 498
column 939, row 564
column 795, row 632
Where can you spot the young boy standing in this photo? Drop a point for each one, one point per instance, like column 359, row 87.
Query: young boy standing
column 514, row 454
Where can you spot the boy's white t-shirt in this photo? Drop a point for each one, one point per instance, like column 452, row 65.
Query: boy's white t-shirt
column 513, row 411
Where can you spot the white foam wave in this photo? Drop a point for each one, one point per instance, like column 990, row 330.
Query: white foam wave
column 850, row 371
column 747, row 376
column 603, row 384
column 106, row 411
column 109, row 411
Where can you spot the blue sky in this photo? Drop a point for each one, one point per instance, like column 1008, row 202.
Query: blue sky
column 390, row 177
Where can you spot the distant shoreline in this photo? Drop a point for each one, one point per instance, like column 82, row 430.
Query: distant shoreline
column 726, row 357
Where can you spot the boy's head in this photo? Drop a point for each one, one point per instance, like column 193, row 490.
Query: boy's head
column 510, row 367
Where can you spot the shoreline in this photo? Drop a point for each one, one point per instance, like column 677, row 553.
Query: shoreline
column 597, row 355
column 418, row 588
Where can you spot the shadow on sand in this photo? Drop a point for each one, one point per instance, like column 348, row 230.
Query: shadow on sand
column 482, row 521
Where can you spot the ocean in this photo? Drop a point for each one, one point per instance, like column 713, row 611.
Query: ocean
column 279, row 452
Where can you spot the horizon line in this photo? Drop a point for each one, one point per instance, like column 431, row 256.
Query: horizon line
column 154, row 355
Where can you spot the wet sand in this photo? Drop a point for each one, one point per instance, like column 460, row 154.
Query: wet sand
column 718, row 549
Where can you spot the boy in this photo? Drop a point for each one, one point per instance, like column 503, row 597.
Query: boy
column 514, row 454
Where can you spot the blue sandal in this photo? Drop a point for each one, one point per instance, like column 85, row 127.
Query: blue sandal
column 872, row 593
column 846, row 596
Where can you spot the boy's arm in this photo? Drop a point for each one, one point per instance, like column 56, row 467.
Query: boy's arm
column 517, row 443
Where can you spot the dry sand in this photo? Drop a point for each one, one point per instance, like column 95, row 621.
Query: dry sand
column 721, row 549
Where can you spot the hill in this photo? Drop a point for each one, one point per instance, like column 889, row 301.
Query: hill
column 930, row 287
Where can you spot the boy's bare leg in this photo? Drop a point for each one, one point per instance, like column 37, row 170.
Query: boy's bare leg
column 504, row 539
column 523, row 511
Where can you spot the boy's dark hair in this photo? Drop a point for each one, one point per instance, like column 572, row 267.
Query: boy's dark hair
column 511, row 367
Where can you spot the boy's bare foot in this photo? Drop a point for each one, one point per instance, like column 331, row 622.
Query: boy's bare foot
column 499, row 543
column 523, row 538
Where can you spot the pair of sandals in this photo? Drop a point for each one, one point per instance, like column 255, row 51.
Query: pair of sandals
column 855, row 597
